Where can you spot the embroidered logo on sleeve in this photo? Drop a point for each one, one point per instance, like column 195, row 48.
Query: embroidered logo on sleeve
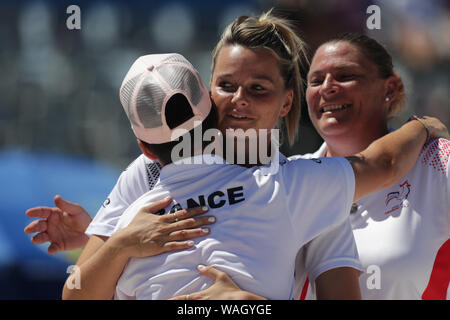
column 394, row 200
column 437, row 155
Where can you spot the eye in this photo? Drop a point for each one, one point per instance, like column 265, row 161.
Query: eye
column 226, row 86
column 314, row 82
column 257, row 87
column 347, row 77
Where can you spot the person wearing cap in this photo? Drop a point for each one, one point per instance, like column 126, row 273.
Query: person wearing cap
column 163, row 93
column 144, row 168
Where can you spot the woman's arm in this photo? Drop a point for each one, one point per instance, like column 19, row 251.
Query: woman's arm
column 98, row 269
column 389, row 158
column 223, row 288
column 338, row 284
column 335, row 284
column 104, row 259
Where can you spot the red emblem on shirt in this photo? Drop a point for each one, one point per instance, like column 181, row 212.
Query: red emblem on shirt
column 394, row 200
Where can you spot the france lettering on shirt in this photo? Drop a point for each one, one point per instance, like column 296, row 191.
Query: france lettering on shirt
column 214, row 200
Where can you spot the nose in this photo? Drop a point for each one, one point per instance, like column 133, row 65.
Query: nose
column 329, row 86
column 239, row 97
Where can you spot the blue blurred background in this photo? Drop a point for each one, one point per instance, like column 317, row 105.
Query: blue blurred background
column 62, row 128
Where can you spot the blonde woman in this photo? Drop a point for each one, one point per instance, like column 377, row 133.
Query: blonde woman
column 248, row 94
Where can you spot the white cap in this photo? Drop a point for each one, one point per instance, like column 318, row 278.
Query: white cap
column 160, row 86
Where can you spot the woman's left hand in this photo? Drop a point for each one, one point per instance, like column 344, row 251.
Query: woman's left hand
column 223, row 288
column 435, row 128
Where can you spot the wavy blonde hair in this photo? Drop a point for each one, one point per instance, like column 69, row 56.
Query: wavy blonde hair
column 275, row 34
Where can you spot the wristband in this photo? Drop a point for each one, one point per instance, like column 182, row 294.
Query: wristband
column 424, row 125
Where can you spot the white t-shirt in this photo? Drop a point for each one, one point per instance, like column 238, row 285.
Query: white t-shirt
column 402, row 233
column 140, row 177
column 262, row 221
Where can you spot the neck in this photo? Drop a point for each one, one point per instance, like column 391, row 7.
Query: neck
column 348, row 144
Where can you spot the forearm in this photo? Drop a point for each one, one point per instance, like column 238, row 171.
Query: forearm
column 338, row 284
column 388, row 159
column 98, row 274
column 400, row 149
column 245, row 295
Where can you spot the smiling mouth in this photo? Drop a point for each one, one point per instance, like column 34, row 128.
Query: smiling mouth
column 334, row 108
column 238, row 117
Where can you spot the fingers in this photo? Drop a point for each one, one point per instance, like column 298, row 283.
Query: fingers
column 193, row 296
column 177, row 245
column 36, row 226
column 192, row 223
column 210, row 272
column 44, row 237
column 67, row 206
column 175, row 239
column 434, row 127
column 40, row 238
column 186, row 213
column 53, row 248
column 188, row 234
column 187, row 227
column 62, row 205
column 40, row 212
column 157, row 206
column 183, row 219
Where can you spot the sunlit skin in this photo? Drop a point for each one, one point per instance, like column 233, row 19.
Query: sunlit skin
column 341, row 75
column 248, row 90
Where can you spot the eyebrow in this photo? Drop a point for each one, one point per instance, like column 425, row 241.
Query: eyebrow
column 255, row 77
column 338, row 68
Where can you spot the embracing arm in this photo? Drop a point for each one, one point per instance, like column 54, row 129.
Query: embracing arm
column 104, row 259
column 338, row 284
column 99, row 267
column 391, row 157
column 224, row 288
column 335, row 284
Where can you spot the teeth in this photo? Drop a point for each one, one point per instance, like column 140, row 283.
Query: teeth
column 335, row 107
column 238, row 117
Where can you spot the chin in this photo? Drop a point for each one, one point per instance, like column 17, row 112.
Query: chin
column 331, row 128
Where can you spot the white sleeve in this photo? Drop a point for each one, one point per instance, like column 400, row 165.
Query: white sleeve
column 120, row 295
column 320, row 195
column 447, row 176
column 333, row 249
column 437, row 155
column 136, row 180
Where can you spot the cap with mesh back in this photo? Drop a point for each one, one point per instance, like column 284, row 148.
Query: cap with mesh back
column 149, row 85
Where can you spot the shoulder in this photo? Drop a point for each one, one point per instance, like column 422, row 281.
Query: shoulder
column 142, row 168
column 317, row 162
column 436, row 155
column 318, row 172
column 141, row 163
column 316, row 154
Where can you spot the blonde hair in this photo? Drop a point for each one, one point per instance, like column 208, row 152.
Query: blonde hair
column 276, row 35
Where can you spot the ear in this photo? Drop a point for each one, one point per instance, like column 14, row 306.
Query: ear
column 145, row 151
column 391, row 89
column 287, row 103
